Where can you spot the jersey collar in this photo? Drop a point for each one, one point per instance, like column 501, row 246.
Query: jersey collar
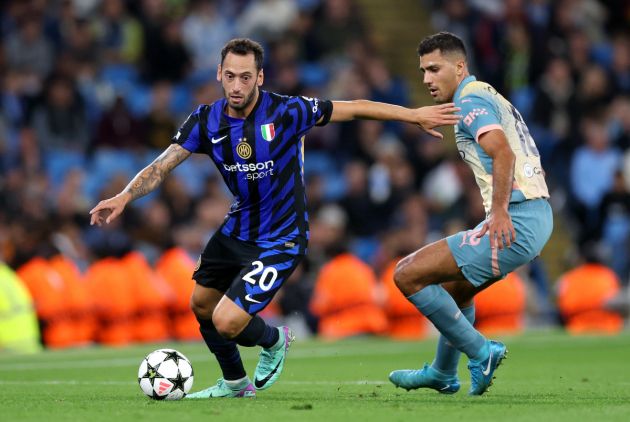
column 468, row 79
column 252, row 114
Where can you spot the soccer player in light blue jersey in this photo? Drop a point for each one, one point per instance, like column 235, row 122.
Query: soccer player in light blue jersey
column 442, row 278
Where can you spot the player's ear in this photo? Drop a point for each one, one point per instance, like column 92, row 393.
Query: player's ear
column 461, row 67
column 219, row 72
column 261, row 78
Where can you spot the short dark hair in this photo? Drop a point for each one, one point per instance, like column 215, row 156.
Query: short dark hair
column 446, row 42
column 242, row 47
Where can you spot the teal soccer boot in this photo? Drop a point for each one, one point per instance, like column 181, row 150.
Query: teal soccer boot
column 271, row 360
column 245, row 389
column 482, row 373
column 427, row 377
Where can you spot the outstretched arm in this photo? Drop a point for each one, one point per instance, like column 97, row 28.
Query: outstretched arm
column 425, row 117
column 144, row 182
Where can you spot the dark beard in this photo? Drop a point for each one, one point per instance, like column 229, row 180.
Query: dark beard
column 247, row 101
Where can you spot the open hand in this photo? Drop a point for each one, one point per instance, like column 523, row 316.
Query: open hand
column 499, row 226
column 430, row 117
column 108, row 209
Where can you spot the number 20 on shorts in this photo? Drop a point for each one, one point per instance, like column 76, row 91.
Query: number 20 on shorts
column 267, row 276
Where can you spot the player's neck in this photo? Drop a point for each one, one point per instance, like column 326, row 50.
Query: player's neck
column 463, row 76
column 243, row 113
column 459, row 79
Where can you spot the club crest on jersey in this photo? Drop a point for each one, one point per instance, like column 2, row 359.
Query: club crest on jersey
column 243, row 149
column 268, row 132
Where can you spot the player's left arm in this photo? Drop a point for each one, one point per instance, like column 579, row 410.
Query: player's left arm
column 426, row 117
column 499, row 223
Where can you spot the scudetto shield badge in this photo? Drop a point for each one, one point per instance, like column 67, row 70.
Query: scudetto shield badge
column 268, row 132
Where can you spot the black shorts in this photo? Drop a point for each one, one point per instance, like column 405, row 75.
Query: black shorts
column 248, row 274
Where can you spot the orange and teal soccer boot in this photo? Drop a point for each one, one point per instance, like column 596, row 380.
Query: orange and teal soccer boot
column 482, row 373
column 427, row 377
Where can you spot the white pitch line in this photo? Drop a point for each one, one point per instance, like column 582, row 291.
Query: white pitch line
column 82, row 382
column 65, row 382
column 121, row 362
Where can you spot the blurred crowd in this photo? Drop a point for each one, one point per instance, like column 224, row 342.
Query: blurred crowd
column 93, row 90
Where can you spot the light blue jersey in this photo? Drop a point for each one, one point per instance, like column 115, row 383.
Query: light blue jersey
column 483, row 110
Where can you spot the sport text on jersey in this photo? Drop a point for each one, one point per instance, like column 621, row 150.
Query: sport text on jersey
column 254, row 170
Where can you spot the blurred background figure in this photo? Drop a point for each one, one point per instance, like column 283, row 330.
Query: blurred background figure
column 19, row 331
column 346, row 297
column 584, row 294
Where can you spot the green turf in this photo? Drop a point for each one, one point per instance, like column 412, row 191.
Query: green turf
column 547, row 377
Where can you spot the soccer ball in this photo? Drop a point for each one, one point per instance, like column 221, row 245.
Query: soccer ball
column 165, row 374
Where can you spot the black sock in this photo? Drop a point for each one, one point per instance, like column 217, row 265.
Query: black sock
column 258, row 333
column 224, row 350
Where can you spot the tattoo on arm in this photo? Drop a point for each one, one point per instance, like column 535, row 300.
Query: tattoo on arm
column 152, row 175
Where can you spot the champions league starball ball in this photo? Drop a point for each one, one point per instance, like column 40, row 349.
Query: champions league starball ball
column 165, row 374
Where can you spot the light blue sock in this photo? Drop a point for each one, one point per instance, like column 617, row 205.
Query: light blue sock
column 446, row 356
column 440, row 308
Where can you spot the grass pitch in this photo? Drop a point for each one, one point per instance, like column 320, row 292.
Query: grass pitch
column 547, row 377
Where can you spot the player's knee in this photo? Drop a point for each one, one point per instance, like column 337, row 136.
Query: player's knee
column 201, row 309
column 402, row 276
column 406, row 278
column 227, row 327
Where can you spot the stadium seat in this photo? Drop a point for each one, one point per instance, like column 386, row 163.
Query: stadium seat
column 59, row 162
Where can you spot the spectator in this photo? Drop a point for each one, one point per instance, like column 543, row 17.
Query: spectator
column 119, row 128
column 60, row 122
column 337, row 23
column 28, row 50
column 119, row 34
column 365, row 213
column 159, row 124
column 614, row 226
column 19, row 331
column 621, row 64
column 267, row 19
column 592, row 170
column 205, row 30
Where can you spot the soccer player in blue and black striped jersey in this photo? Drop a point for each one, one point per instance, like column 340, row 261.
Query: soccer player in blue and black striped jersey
column 255, row 139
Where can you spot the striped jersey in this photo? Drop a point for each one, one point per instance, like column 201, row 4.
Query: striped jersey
column 483, row 109
column 261, row 159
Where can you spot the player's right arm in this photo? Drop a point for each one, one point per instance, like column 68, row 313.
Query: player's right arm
column 427, row 118
column 144, row 182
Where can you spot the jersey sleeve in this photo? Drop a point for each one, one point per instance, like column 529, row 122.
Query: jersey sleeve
column 188, row 134
column 478, row 116
column 309, row 112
